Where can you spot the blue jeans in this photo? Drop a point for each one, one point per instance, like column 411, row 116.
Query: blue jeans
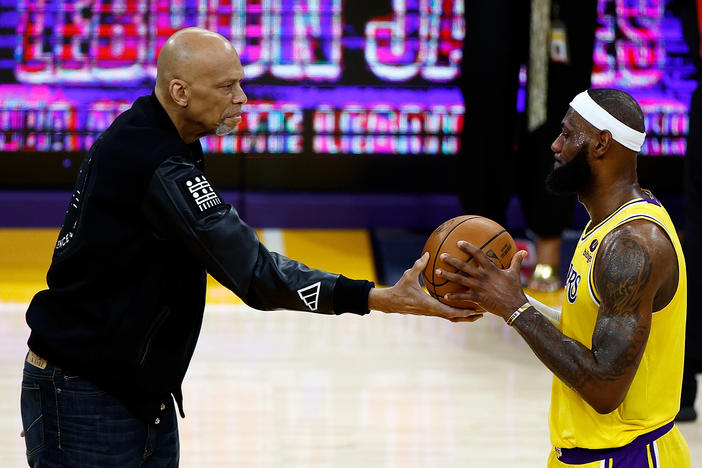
column 70, row 422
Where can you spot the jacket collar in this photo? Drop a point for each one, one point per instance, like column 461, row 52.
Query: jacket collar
column 164, row 121
column 162, row 118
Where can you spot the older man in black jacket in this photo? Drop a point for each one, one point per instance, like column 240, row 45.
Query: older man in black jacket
column 112, row 337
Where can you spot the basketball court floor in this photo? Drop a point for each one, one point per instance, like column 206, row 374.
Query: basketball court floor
column 293, row 389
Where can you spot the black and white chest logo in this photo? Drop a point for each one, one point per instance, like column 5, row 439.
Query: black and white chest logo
column 201, row 193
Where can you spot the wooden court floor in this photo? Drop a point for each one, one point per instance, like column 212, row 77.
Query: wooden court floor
column 291, row 389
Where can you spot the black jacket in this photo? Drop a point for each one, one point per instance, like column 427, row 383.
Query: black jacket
column 127, row 280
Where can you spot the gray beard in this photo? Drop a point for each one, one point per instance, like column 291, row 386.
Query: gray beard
column 223, row 129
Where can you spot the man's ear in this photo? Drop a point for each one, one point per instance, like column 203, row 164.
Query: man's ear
column 179, row 91
column 603, row 140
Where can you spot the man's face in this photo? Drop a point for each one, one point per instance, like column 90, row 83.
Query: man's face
column 571, row 173
column 216, row 98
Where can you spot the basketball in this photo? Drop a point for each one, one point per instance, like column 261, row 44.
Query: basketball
column 484, row 233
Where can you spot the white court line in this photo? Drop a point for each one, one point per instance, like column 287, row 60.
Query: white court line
column 273, row 240
column 13, row 306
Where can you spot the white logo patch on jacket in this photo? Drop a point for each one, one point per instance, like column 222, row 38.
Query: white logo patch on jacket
column 202, row 193
column 310, row 295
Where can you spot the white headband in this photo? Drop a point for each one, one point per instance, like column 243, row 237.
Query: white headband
column 589, row 110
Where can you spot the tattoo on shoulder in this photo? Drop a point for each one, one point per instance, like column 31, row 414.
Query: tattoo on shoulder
column 622, row 272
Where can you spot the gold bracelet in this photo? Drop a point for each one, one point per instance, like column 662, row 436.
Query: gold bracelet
column 517, row 313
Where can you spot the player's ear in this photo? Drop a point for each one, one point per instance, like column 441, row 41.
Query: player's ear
column 179, row 91
column 602, row 142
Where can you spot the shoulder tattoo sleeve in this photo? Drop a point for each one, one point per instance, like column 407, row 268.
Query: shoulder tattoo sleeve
column 622, row 272
column 622, row 275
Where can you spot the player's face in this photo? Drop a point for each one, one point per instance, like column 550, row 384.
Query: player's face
column 217, row 98
column 571, row 171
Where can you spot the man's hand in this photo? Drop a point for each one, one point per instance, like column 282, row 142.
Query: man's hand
column 495, row 290
column 407, row 297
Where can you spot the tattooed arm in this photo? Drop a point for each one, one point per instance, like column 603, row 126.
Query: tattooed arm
column 635, row 272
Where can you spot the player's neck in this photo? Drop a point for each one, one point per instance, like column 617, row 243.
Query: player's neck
column 600, row 202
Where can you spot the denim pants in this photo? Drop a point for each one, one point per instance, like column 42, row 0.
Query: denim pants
column 69, row 422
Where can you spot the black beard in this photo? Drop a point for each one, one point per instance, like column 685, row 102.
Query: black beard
column 572, row 177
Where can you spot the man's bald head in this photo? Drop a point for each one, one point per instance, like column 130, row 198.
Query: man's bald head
column 198, row 83
column 191, row 53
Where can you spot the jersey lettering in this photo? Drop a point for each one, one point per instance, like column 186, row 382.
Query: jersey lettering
column 572, row 283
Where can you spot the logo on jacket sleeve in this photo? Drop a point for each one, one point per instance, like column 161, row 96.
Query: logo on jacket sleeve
column 201, row 193
column 310, row 295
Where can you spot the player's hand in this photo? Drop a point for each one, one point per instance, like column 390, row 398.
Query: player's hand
column 407, row 297
column 495, row 290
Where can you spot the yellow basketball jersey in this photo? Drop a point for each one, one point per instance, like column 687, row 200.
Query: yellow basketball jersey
column 654, row 396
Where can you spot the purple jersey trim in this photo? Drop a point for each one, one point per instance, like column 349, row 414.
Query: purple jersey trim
column 623, row 456
column 653, row 200
column 652, row 452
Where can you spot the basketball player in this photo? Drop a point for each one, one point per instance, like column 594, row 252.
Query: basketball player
column 112, row 337
column 617, row 353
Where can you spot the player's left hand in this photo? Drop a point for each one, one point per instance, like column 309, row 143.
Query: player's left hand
column 407, row 297
column 495, row 290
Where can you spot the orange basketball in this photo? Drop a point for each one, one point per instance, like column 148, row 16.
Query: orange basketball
column 483, row 233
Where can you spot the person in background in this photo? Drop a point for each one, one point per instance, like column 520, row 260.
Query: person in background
column 509, row 147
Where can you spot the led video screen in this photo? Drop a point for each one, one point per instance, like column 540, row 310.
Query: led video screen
column 325, row 78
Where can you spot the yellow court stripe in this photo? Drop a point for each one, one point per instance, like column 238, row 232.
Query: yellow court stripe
column 345, row 251
column 25, row 256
